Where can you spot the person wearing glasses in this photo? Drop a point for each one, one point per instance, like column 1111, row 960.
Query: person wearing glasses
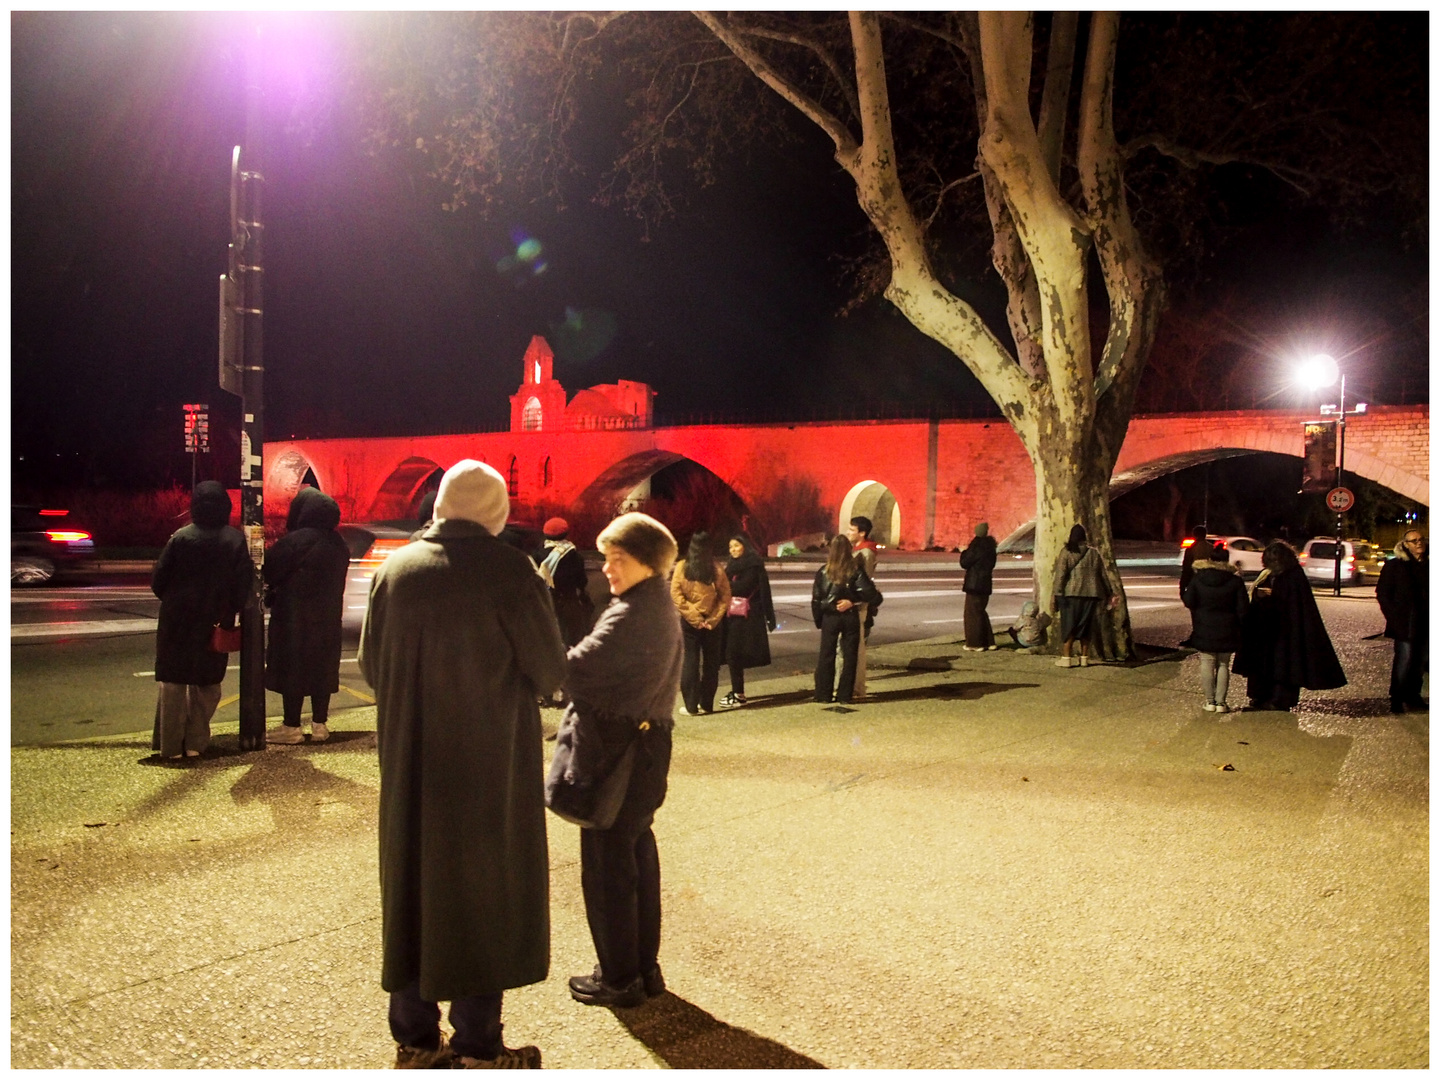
column 1404, row 596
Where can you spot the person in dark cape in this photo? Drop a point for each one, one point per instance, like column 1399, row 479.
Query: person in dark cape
column 305, row 576
column 203, row 579
column 747, row 637
column 1404, row 597
column 1284, row 645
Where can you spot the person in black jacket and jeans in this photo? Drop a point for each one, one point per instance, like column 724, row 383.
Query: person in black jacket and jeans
column 840, row 585
column 1217, row 602
column 203, row 579
column 978, row 562
column 1404, row 596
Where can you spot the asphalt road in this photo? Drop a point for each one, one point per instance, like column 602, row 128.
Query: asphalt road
column 82, row 657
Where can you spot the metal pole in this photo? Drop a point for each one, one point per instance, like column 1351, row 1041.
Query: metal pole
column 1339, row 483
column 249, row 246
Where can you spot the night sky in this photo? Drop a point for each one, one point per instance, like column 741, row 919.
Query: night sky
column 388, row 315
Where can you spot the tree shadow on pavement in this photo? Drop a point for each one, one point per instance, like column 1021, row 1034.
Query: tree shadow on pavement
column 775, row 701
column 685, row 1036
column 949, row 691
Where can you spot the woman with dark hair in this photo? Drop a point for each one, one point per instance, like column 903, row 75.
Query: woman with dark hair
column 203, row 579
column 747, row 640
column 840, row 586
column 1283, row 643
column 1080, row 585
column 622, row 680
column 305, row 576
column 701, row 593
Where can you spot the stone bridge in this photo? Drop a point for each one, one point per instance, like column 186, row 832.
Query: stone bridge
column 923, row 482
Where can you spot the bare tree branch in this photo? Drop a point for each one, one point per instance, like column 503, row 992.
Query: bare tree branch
column 824, row 55
column 1195, row 158
column 839, row 133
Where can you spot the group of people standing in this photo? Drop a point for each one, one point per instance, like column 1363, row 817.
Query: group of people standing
column 204, row 578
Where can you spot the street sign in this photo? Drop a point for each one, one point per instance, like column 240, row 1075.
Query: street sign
column 1340, row 499
column 197, row 429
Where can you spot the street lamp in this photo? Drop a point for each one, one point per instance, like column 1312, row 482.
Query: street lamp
column 1317, row 372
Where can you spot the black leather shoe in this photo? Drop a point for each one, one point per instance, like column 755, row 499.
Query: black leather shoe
column 589, row 990
column 654, row 982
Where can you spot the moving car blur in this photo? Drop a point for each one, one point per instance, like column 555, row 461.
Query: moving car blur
column 370, row 546
column 46, row 544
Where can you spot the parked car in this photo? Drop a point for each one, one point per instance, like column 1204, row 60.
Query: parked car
column 46, row 543
column 1360, row 562
column 370, row 545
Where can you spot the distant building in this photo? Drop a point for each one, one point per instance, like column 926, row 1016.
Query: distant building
column 539, row 404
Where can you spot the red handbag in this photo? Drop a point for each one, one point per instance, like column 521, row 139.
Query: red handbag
column 224, row 641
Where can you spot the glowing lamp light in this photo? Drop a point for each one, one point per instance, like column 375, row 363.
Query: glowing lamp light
column 1319, row 370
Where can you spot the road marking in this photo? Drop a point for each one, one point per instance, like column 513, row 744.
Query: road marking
column 363, row 697
column 927, row 622
column 72, row 629
column 228, row 701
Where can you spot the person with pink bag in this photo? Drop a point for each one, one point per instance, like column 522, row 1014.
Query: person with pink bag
column 750, row 618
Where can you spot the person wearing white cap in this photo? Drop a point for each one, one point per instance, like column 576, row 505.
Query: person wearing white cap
column 459, row 642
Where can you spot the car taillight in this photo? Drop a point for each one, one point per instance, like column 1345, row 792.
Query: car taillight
column 65, row 536
column 54, row 513
column 381, row 550
column 1187, row 542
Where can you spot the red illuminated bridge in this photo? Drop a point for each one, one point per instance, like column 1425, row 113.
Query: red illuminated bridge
column 922, row 482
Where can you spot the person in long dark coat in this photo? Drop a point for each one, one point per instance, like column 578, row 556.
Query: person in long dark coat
column 978, row 562
column 1403, row 593
column 459, row 642
column 747, row 637
column 1217, row 602
column 203, row 579
column 622, row 682
column 1283, row 643
column 305, row 576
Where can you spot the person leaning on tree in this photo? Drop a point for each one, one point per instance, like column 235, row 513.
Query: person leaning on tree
column 1080, row 586
column 1404, row 596
column 978, row 562
column 459, row 641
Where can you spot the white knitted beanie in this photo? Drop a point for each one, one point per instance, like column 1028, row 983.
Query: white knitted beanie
column 473, row 491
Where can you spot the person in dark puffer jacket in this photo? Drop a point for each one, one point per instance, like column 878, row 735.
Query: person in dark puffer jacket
column 1217, row 602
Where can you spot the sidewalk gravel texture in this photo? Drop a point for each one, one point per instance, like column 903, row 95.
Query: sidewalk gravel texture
column 992, row 862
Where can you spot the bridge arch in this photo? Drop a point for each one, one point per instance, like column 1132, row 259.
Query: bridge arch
column 1357, row 463
column 625, row 485
column 872, row 499
column 399, row 496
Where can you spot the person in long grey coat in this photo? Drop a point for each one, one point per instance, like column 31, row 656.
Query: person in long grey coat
column 459, row 642
column 305, row 576
column 622, row 682
column 203, row 579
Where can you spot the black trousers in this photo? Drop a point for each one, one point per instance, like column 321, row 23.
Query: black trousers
column 476, row 1020
column 842, row 628
column 1407, row 671
column 620, row 872
column 295, row 704
column 700, row 675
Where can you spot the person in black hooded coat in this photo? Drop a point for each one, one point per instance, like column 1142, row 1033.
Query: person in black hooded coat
column 203, row 579
column 305, row 589
column 1283, row 643
column 747, row 637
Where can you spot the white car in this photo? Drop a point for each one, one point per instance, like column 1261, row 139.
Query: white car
column 1360, row 562
column 1245, row 551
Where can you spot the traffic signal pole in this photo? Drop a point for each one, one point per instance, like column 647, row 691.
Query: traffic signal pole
column 242, row 371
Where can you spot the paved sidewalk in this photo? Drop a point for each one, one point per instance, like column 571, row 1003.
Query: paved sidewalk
column 992, row 863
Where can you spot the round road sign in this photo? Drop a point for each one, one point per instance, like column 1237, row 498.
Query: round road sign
column 1340, row 499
